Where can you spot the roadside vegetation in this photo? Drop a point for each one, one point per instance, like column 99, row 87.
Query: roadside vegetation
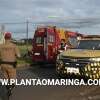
column 25, row 59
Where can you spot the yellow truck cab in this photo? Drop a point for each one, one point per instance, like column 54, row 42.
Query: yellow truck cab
column 84, row 60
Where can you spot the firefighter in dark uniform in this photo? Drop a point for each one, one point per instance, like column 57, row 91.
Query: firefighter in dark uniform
column 8, row 55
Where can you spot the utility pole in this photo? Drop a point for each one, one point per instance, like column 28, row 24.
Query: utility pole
column 27, row 30
column 2, row 29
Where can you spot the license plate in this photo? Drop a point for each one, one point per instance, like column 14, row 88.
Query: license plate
column 72, row 70
column 37, row 54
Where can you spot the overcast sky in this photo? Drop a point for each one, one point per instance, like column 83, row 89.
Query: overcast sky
column 12, row 10
column 39, row 10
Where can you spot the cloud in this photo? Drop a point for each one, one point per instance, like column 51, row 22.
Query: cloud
column 39, row 10
column 42, row 8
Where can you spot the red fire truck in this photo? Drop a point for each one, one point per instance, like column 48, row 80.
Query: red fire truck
column 46, row 43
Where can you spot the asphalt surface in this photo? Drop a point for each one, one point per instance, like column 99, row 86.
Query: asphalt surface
column 51, row 92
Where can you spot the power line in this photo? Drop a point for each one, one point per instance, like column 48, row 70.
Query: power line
column 18, row 22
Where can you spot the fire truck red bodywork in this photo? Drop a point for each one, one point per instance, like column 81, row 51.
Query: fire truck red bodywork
column 45, row 44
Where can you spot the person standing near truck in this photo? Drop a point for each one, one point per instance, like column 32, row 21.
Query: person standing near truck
column 62, row 45
column 8, row 55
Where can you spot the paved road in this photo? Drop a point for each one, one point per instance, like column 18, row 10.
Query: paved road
column 51, row 92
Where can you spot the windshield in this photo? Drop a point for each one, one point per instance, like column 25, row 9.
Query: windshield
column 39, row 40
column 89, row 44
column 50, row 38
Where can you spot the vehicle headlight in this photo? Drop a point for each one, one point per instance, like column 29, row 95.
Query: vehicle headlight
column 94, row 59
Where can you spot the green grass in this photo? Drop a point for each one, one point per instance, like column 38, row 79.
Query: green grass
column 23, row 50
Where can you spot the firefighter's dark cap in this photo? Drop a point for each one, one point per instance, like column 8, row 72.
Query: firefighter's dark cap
column 7, row 35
